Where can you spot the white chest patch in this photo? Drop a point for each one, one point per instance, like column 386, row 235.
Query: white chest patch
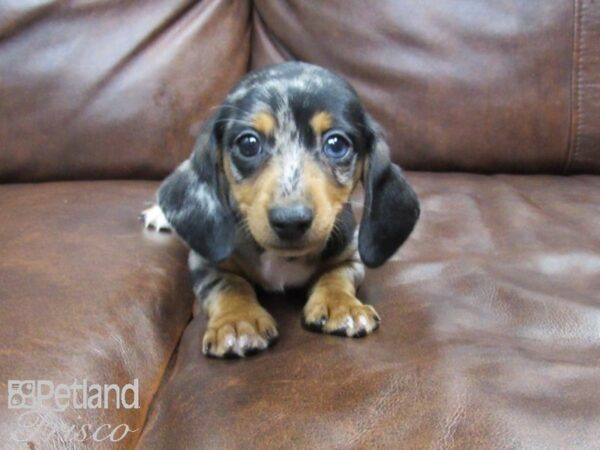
column 277, row 273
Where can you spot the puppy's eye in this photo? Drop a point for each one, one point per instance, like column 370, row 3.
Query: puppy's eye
column 336, row 146
column 248, row 145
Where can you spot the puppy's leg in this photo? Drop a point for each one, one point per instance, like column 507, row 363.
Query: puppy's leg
column 333, row 308
column 155, row 218
column 237, row 324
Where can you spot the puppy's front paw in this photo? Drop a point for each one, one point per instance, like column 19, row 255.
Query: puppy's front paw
column 341, row 314
column 154, row 217
column 239, row 333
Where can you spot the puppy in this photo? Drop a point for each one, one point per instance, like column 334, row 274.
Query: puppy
column 264, row 199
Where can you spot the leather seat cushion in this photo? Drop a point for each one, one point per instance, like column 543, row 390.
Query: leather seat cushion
column 86, row 294
column 489, row 339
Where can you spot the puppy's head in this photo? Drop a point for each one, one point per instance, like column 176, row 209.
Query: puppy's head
column 282, row 157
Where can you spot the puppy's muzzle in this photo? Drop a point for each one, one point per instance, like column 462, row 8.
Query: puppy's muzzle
column 290, row 222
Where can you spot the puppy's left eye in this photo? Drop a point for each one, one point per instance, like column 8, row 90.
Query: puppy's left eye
column 336, row 146
column 248, row 145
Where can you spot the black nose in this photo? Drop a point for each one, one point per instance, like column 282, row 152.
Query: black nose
column 290, row 222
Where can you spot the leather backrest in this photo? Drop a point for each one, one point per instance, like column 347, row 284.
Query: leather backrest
column 474, row 85
column 112, row 89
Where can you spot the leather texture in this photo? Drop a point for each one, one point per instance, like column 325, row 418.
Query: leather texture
column 86, row 294
column 111, row 89
column 468, row 85
column 489, row 339
column 491, row 310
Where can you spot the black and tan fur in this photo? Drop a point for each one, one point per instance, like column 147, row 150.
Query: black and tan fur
column 219, row 202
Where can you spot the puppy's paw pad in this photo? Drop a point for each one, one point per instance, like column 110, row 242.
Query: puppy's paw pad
column 154, row 218
column 239, row 335
column 348, row 318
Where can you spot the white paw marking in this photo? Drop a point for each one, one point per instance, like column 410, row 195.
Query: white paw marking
column 363, row 321
column 155, row 218
column 349, row 325
column 229, row 341
column 242, row 342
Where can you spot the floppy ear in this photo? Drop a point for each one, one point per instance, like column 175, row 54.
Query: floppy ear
column 193, row 200
column 391, row 207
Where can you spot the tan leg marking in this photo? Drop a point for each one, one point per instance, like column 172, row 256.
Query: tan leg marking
column 333, row 307
column 237, row 324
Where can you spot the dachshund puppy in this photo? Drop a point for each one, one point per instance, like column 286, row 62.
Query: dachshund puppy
column 264, row 199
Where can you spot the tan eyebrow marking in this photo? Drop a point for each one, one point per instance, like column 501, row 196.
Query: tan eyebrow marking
column 264, row 122
column 321, row 122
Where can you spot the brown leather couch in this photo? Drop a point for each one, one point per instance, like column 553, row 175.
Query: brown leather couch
column 491, row 311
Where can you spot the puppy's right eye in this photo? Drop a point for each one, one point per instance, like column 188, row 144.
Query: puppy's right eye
column 336, row 146
column 248, row 145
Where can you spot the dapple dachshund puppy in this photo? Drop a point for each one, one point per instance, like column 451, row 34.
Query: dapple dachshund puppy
column 264, row 199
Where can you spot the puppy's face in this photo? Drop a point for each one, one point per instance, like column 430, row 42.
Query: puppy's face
column 282, row 156
column 292, row 143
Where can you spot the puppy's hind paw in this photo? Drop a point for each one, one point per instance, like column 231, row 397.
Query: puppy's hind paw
column 154, row 218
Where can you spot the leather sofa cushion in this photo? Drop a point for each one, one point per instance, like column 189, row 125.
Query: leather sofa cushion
column 489, row 339
column 468, row 85
column 85, row 294
column 110, row 89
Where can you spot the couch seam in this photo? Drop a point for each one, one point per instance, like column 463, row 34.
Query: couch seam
column 161, row 380
column 576, row 81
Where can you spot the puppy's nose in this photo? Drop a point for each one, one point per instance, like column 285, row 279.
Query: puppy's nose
column 290, row 222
